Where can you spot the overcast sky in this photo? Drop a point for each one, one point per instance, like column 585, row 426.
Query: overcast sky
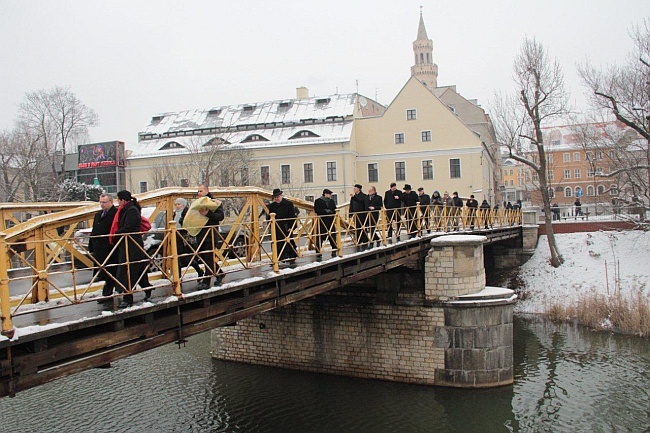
column 129, row 60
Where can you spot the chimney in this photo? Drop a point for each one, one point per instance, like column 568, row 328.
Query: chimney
column 302, row 92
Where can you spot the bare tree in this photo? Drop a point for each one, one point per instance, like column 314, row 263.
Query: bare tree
column 623, row 93
column 540, row 99
column 57, row 120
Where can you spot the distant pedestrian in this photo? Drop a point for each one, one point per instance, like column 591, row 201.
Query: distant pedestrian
column 472, row 206
column 374, row 204
column 100, row 247
column 578, row 207
column 457, row 209
column 425, row 210
column 285, row 221
column 438, row 209
column 185, row 244
column 325, row 208
column 410, row 201
column 393, row 203
column 484, row 213
column 359, row 216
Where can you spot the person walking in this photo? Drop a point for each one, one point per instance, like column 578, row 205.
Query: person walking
column 410, row 201
column 472, row 206
column 393, row 203
column 359, row 216
column 578, row 207
column 438, row 208
column 325, row 208
column 374, row 203
column 457, row 210
column 285, row 220
column 202, row 220
column 100, row 247
column 425, row 210
column 130, row 252
column 484, row 213
column 184, row 242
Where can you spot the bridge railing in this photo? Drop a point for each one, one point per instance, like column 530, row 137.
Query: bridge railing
column 41, row 261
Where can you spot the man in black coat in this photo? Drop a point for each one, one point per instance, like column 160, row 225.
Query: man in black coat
column 100, row 247
column 205, row 239
column 393, row 203
column 472, row 205
column 457, row 210
column 374, row 204
column 285, row 217
column 410, row 200
column 325, row 208
column 425, row 209
column 359, row 216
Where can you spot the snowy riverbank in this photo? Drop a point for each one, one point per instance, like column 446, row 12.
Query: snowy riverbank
column 598, row 263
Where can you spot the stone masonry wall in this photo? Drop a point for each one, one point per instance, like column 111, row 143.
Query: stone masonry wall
column 395, row 343
column 453, row 269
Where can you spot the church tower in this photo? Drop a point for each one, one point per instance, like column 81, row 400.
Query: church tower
column 424, row 69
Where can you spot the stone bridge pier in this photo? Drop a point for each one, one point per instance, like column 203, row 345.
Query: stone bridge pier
column 432, row 323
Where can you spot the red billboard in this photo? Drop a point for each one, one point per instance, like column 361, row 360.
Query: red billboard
column 109, row 154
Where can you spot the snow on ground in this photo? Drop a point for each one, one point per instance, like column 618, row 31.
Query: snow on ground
column 592, row 262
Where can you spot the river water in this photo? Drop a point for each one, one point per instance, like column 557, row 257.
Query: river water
column 567, row 379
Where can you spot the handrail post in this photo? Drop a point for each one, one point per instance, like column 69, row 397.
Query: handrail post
column 383, row 226
column 274, row 245
column 339, row 238
column 40, row 291
column 173, row 247
column 5, row 305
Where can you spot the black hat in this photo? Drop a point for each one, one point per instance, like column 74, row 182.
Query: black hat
column 358, row 186
column 327, row 191
column 407, row 187
column 455, row 193
column 277, row 192
column 420, row 189
column 471, row 196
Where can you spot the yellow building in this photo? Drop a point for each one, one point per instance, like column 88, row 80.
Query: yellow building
column 428, row 136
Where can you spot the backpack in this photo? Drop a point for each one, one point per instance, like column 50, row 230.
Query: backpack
column 145, row 225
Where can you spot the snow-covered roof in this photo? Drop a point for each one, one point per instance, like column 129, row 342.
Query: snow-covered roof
column 312, row 120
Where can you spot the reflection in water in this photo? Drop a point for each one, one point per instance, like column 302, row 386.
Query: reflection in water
column 566, row 379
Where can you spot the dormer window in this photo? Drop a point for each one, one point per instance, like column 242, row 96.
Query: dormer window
column 249, row 108
column 172, row 145
column 216, row 141
column 303, row 134
column 214, row 112
column 254, row 137
column 156, row 119
column 323, row 101
column 284, row 105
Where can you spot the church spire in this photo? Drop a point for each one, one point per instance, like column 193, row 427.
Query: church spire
column 424, row 69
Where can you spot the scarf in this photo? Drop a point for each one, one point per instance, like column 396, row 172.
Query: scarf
column 115, row 225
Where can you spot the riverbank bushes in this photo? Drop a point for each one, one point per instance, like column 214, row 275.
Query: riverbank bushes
column 626, row 313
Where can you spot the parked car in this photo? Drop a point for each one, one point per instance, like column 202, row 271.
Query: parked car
column 154, row 237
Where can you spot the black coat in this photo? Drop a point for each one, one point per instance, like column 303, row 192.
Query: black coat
column 100, row 247
column 390, row 201
column 472, row 203
column 410, row 199
column 325, row 207
column 457, row 202
column 358, row 202
column 425, row 200
column 130, row 222
column 436, row 200
column 376, row 203
column 285, row 214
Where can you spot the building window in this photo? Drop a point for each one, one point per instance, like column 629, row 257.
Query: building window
column 400, row 171
column 143, row 186
column 590, row 191
column 613, row 190
column 599, row 154
column 576, row 173
column 578, row 191
column 265, row 176
column 399, row 138
column 567, row 157
column 612, row 155
column 512, row 172
column 331, row 171
column 411, row 114
column 427, row 169
column 590, row 172
column 243, row 176
column 576, row 156
column 335, row 199
column 568, row 192
column 512, row 182
column 601, row 190
column 426, row 135
column 550, row 175
column 373, row 173
column 185, row 183
column 225, row 178
column 549, row 158
column 285, row 169
column 308, row 172
column 163, row 183
column 309, row 198
column 567, row 174
column 589, row 156
column 454, row 168
column 551, row 192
